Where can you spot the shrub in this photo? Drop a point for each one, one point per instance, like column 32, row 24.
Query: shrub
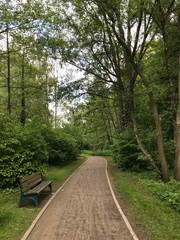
column 28, row 149
column 127, row 154
column 23, row 151
column 62, row 148
column 75, row 133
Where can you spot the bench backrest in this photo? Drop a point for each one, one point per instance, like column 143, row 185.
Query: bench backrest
column 30, row 181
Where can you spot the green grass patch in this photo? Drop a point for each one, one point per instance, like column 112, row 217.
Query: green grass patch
column 59, row 174
column 15, row 221
column 159, row 221
column 168, row 193
column 105, row 152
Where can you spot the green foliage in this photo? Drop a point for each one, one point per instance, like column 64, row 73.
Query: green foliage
column 30, row 148
column 127, row 154
column 23, row 151
column 62, row 147
column 98, row 153
column 75, row 133
column 168, row 193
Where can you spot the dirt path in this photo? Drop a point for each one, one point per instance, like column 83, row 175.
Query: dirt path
column 83, row 209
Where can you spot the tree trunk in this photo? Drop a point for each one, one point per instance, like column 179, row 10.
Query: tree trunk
column 9, row 72
column 177, row 160
column 177, row 145
column 23, row 104
column 55, row 106
column 159, row 134
column 119, row 109
column 136, row 133
column 172, row 91
column 142, row 147
column 107, row 126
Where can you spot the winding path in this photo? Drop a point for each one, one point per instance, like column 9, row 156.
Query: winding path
column 85, row 208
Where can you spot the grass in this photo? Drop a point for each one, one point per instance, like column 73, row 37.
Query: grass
column 159, row 221
column 105, row 152
column 59, row 174
column 15, row 221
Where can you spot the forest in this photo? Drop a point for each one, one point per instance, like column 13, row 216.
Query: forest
column 120, row 92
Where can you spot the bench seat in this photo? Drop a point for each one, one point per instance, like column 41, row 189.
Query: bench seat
column 39, row 188
column 31, row 186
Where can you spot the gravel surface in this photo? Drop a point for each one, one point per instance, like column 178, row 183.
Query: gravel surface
column 83, row 209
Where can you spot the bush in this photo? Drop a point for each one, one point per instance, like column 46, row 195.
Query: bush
column 23, row 151
column 62, row 148
column 75, row 133
column 28, row 149
column 127, row 154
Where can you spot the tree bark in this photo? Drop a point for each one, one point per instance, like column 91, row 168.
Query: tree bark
column 177, row 145
column 159, row 135
column 119, row 93
column 136, row 132
column 55, row 105
column 107, row 126
column 9, row 71
column 142, row 147
column 177, row 159
column 23, row 104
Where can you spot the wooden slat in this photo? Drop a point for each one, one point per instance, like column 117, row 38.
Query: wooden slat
column 40, row 187
column 25, row 178
column 28, row 182
column 30, row 178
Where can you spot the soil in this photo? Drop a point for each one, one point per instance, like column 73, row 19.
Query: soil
column 84, row 209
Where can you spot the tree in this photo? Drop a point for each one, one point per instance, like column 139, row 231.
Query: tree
column 166, row 19
column 27, row 69
column 177, row 160
column 109, row 24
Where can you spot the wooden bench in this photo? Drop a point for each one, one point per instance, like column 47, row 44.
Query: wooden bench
column 31, row 186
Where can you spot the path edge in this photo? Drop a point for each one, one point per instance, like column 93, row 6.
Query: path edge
column 118, row 206
column 33, row 224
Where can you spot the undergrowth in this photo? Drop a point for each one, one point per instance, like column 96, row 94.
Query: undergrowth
column 169, row 193
column 105, row 152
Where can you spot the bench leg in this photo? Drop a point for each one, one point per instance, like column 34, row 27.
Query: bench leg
column 20, row 202
column 35, row 199
column 32, row 197
column 50, row 186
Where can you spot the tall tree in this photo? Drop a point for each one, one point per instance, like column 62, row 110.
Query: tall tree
column 23, row 28
column 166, row 18
column 110, row 21
column 177, row 160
